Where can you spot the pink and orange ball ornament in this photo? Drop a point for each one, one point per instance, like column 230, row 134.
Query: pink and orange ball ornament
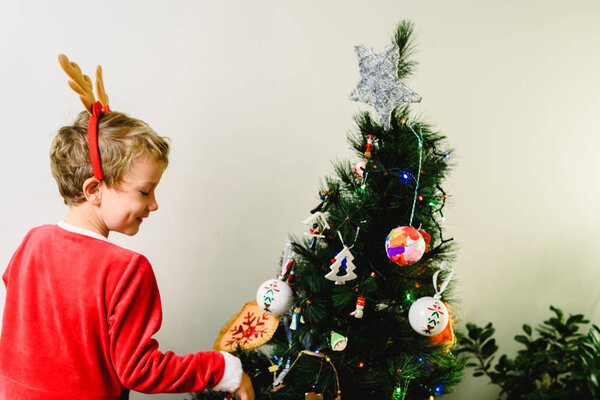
column 405, row 245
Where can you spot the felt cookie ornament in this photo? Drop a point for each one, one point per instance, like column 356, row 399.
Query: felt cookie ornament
column 405, row 245
column 249, row 328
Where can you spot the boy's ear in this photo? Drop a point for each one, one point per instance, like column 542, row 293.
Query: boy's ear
column 92, row 192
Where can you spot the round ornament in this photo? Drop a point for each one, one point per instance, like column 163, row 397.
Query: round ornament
column 274, row 296
column 428, row 316
column 405, row 245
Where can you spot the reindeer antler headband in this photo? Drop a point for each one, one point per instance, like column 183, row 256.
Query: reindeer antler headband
column 82, row 84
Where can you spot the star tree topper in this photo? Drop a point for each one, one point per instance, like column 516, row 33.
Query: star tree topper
column 379, row 85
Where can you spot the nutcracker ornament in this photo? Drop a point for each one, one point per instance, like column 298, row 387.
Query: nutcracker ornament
column 369, row 144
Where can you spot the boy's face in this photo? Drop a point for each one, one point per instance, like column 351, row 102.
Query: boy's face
column 123, row 208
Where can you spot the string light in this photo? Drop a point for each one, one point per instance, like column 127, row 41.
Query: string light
column 438, row 389
column 406, row 176
column 372, row 274
column 361, row 364
column 409, row 296
column 420, row 359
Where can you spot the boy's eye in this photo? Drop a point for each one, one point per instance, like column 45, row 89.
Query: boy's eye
column 144, row 193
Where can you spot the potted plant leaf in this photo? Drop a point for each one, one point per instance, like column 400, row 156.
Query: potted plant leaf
column 557, row 362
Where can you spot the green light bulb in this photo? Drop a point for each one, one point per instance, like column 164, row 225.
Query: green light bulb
column 398, row 393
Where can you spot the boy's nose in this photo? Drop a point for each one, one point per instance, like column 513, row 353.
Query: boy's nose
column 153, row 204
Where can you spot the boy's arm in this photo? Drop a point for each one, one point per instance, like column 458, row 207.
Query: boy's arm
column 134, row 316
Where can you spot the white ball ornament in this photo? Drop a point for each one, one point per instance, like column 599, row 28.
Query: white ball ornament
column 274, row 296
column 428, row 316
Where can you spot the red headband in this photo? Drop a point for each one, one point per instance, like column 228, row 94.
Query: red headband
column 82, row 85
column 97, row 111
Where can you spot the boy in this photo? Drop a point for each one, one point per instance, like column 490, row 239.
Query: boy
column 80, row 311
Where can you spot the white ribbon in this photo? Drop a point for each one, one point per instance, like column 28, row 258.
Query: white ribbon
column 438, row 293
column 288, row 255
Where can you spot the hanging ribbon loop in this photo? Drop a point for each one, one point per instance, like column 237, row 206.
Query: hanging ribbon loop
column 444, row 285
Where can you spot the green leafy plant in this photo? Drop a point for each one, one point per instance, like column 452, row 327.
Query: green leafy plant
column 558, row 361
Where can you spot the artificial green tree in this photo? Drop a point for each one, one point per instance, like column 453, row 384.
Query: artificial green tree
column 396, row 180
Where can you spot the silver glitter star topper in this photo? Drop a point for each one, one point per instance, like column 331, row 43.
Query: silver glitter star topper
column 379, row 85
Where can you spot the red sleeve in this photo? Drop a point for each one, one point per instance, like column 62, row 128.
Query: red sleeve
column 16, row 255
column 134, row 316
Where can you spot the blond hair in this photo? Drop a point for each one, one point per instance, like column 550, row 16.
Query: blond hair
column 121, row 139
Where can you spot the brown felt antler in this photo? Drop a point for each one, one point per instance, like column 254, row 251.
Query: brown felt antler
column 102, row 97
column 82, row 84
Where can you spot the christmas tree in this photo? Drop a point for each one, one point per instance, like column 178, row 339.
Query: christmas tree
column 360, row 296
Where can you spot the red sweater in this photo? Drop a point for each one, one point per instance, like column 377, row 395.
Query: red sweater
column 78, row 322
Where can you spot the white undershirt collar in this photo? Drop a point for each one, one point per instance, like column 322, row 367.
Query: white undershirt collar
column 81, row 231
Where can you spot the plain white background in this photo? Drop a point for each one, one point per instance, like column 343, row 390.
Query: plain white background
column 254, row 96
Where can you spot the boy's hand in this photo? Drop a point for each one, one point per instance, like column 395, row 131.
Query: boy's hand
column 245, row 391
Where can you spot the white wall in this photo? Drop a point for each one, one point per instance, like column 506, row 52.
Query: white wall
column 254, row 95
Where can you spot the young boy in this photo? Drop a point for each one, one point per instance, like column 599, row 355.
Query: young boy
column 80, row 312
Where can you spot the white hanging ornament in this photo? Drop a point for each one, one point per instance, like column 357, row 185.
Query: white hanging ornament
column 317, row 223
column 287, row 264
column 274, row 296
column 360, row 306
column 429, row 316
column 343, row 258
